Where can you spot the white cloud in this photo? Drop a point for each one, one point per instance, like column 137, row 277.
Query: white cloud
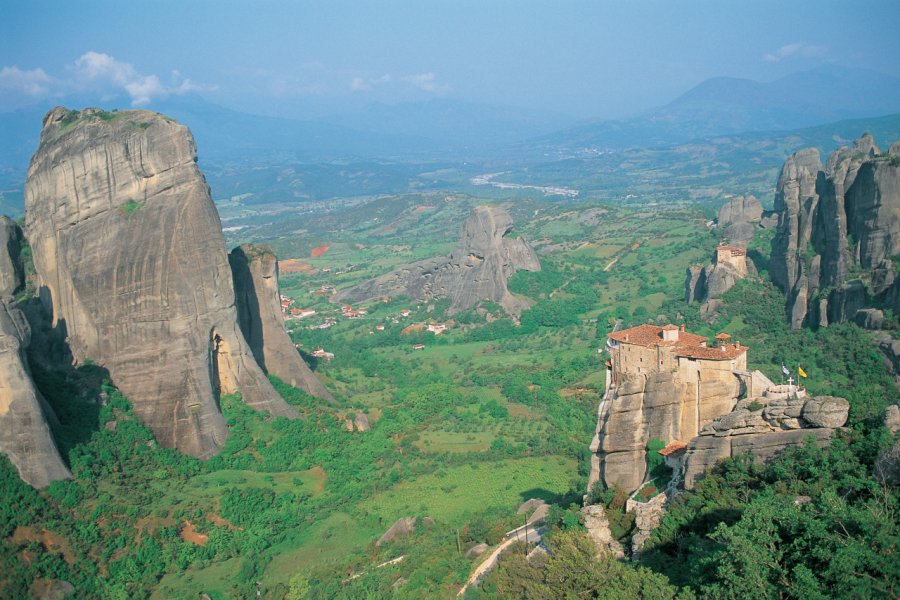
column 34, row 82
column 363, row 84
column 794, row 50
column 425, row 81
column 95, row 69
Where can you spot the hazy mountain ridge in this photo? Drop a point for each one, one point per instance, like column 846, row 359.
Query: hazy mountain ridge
column 727, row 105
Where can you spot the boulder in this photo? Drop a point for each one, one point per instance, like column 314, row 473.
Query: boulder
column 476, row 550
column 869, row 318
column 402, row 526
column 258, row 300
column 826, row 411
column 529, row 506
column 361, row 421
column 477, row 270
column 781, row 421
column 130, row 257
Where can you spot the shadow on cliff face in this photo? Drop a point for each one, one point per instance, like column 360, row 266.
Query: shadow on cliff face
column 74, row 393
column 311, row 361
column 759, row 261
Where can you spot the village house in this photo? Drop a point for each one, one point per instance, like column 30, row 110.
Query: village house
column 418, row 346
column 437, row 328
column 379, row 327
column 328, row 323
column 405, row 312
column 320, row 353
column 673, row 454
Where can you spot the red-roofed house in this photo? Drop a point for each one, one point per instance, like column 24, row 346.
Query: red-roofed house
column 648, row 349
column 708, row 380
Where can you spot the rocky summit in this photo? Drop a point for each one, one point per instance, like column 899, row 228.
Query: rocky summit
column 130, row 257
column 476, row 270
column 255, row 272
column 834, row 221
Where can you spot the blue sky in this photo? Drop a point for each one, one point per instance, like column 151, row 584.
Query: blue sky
column 593, row 59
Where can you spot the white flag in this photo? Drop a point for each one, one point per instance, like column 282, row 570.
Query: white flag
column 784, row 369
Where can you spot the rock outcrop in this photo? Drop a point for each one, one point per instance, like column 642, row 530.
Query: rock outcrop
column 24, row 431
column 764, row 426
column 476, row 270
column 12, row 277
column 656, row 406
column 594, row 519
column 730, row 265
column 833, row 221
column 740, row 209
column 255, row 272
column 647, row 516
column 403, row 526
column 129, row 252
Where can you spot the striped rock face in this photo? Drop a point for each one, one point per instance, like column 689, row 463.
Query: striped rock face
column 130, row 256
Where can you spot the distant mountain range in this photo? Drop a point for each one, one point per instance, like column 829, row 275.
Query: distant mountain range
column 726, row 105
column 450, row 130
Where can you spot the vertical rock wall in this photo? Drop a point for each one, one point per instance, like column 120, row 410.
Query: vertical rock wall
column 832, row 221
column 128, row 248
column 24, row 434
column 255, row 272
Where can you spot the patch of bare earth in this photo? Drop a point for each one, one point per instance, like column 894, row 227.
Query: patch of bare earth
column 321, row 476
column 294, row 265
column 191, row 535
column 49, row 540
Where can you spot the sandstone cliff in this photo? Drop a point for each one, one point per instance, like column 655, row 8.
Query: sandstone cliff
column 764, row 426
column 476, row 270
column 24, row 434
column 740, row 209
column 838, row 231
column 130, row 256
column 655, row 406
column 729, row 265
column 255, row 272
column 12, row 277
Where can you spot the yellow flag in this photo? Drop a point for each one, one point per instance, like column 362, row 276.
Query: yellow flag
column 801, row 371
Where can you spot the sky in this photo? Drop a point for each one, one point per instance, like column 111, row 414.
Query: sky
column 581, row 59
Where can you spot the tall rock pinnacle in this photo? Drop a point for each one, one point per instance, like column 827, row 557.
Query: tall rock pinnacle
column 255, row 270
column 129, row 252
column 833, row 220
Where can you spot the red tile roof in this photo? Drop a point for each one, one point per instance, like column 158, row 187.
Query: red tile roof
column 689, row 345
column 673, row 447
column 735, row 250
